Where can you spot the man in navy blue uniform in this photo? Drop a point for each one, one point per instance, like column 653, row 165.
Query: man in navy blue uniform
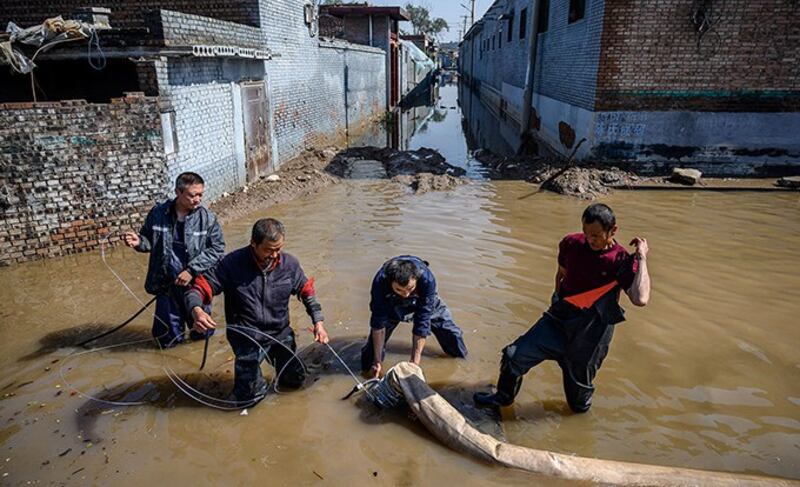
column 404, row 289
column 184, row 240
column 258, row 280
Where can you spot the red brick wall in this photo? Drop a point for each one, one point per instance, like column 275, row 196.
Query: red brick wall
column 749, row 61
column 128, row 13
column 73, row 171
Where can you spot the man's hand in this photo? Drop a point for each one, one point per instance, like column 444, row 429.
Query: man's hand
column 375, row 371
column 131, row 239
column 320, row 335
column 202, row 320
column 641, row 247
column 183, row 279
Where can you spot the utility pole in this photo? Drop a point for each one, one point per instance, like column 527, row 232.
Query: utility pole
column 464, row 17
column 471, row 10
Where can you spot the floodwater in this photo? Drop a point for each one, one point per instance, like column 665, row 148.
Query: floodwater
column 706, row 376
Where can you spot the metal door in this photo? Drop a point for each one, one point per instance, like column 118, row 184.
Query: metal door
column 256, row 130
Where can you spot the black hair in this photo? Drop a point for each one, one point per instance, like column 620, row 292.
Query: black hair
column 268, row 229
column 598, row 212
column 402, row 271
column 186, row 179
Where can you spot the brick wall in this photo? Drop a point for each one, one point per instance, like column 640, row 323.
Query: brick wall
column 568, row 54
column 129, row 13
column 70, row 171
column 306, row 82
column 181, row 29
column 750, row 61
column 201, row 94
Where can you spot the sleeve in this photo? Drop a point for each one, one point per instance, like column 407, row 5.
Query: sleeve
column 425, row 304
column 563, row 249
column 215, row 249
column 378, row 304
column 303, row 288
column 207, row 285
column 629, row 266
column 146, row 233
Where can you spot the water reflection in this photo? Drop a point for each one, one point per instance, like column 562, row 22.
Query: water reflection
column 484, row 128
column 450, row 118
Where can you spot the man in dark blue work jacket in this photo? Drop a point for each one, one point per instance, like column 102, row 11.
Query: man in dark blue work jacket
column 404, row 289
column 258, row 281
column 184, row 240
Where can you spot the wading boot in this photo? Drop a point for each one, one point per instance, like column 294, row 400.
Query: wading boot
column 508, row 386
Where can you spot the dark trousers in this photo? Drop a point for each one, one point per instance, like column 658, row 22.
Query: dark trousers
column 447, row 333
column 172, row 318
column 579, row 355
column 249, row 382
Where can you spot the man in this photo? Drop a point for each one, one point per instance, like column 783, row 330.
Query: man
column 404, row 289
column 576, row 330
column 184, row 240
column 258, row 281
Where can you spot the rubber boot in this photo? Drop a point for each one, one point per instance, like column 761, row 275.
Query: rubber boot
column 508, row 386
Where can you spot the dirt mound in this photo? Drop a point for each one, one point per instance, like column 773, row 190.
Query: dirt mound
column 422, row 170
column 425, row 182
column 300, row 176
column 586, row 181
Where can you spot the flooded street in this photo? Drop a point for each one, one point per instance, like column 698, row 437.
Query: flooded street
column 706, row 376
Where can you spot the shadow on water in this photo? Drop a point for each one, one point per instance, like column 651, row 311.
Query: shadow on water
column 71, row 337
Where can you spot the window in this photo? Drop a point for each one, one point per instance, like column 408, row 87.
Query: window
column 544, row 15
column 510, row 36
column 500, row 39
column 523, row 22
column 577, row 10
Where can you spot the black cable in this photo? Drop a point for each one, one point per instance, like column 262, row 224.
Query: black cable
column 205, row 351
column 120, row 326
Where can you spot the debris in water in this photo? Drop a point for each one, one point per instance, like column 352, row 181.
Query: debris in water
column 65, row 452
column 318, row 475
column 243, row 413
column 375, row 473
column 78, row 471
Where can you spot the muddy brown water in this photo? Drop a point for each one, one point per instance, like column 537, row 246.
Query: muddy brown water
column 706, row 376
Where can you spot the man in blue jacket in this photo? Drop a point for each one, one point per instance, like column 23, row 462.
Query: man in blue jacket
column 184, row 240
column 258, row 280
column 404, row 289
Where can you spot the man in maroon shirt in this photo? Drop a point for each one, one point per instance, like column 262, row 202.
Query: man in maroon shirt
column 576, row 330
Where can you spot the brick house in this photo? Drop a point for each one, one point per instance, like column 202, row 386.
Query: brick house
column 228, row 90
column 715, row 85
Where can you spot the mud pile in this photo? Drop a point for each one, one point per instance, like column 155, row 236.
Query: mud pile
column 421, row 170
column 585, row 181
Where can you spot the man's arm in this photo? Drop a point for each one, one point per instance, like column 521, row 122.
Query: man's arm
column 378, row 338
column 142, row 241
column 417, row 346
column 426, row 286
column 561, row 274
column 202, row 291
column 379, row 318
column 304, row 289
column 213, row 252
column 639, row 292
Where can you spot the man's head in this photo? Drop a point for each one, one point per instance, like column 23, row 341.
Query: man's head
column 267, row 240
column 403, row 275
column 599, row 226
column 189, row 188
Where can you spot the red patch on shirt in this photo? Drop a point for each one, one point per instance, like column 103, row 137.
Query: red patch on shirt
column 202, row 286
column 308, row 290
column 588, row 269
